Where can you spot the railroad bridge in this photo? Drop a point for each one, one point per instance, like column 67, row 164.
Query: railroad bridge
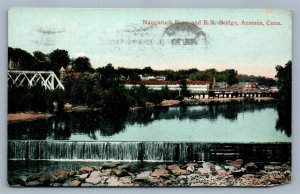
column 47, row 79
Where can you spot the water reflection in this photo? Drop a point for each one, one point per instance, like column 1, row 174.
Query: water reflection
column 64, row 125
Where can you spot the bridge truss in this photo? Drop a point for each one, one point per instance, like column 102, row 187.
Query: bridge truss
column 47, row 79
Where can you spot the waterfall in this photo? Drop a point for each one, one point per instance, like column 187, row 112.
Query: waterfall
column 144, row 151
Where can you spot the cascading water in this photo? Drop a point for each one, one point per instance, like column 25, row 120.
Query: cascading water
column 144, row 151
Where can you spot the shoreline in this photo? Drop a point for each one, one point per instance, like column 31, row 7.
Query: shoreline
column 26, row 116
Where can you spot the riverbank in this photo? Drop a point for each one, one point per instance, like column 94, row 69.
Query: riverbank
column 233, row 173
column 27, row 116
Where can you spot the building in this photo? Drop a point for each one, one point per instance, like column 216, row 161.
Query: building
column 192, row 86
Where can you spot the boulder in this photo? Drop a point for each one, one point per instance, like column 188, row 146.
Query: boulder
column 160, row 172
column 143, row 175
column 173, row 166
column 162, row 166
column 191, row 168
column 86, row 169
column 120, row 173
column 95, row 174
column 113, row 181
column 61, row 175
column 237, row 163
column 204, row 171
column 75, row 183
column 108, row 165
column 125, row 181
column 83, row 176
column 33, row 177
column 93, row 180
column 105, row 172
column 220, row 171
column 34, row 183
column 16, row 181
column 251, row 166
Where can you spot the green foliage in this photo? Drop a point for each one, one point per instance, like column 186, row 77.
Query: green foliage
column 30, row 99
column 59, row 58
column 284, row 82
column 116, row 102
column 184, row 91
column 108, row 77
column 21, row 59
column 41, row 61
column 82, row 64
column 82, row 91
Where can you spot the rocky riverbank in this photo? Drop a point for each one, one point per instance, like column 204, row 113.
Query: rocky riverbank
column 234, row 173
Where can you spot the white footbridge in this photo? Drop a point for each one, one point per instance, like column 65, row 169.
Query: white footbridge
column 47, row 79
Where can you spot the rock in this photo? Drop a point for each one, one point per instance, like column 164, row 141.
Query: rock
column 178, row 171
column 108, row 165
column 143, row 175
column 46, row 178
column 175, row 169
column 204, row 171
column 191, row 168
column 251, row 166
column 207, row 165
column 160, row 172
column 93, row 180
column 287, row 172
column 33, row 177
column 83, row 176
column 221, row 172
column 86, row 169
column 61, row 175
column 124, row 167
column 286, row 166
column 105, row 172
column 95, row 174
column 125, row 181
column 72, row 174
column 113, row 181
column 162, row 166
column 247, row 176
column 191, row 164
column 34, row 183
column 16, row 181
column 120, row 173
column 75, row 183
column 272, row 168
column 173, row 166
column 237, row 163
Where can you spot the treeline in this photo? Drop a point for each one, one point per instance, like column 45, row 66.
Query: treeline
column 58, row 58
column 103, row 89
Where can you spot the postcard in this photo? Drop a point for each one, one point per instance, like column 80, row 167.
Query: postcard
column 149, row 97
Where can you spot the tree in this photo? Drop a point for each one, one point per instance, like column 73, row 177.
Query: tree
column 284, row 83
column 230, row 76
column 82, row 64
column 184, row 91
column 116, row 102
column 59, row 58
column 41, row 61
column 107, row 76
column 20, row 59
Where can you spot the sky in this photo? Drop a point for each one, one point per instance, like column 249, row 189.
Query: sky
column 129, row 38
